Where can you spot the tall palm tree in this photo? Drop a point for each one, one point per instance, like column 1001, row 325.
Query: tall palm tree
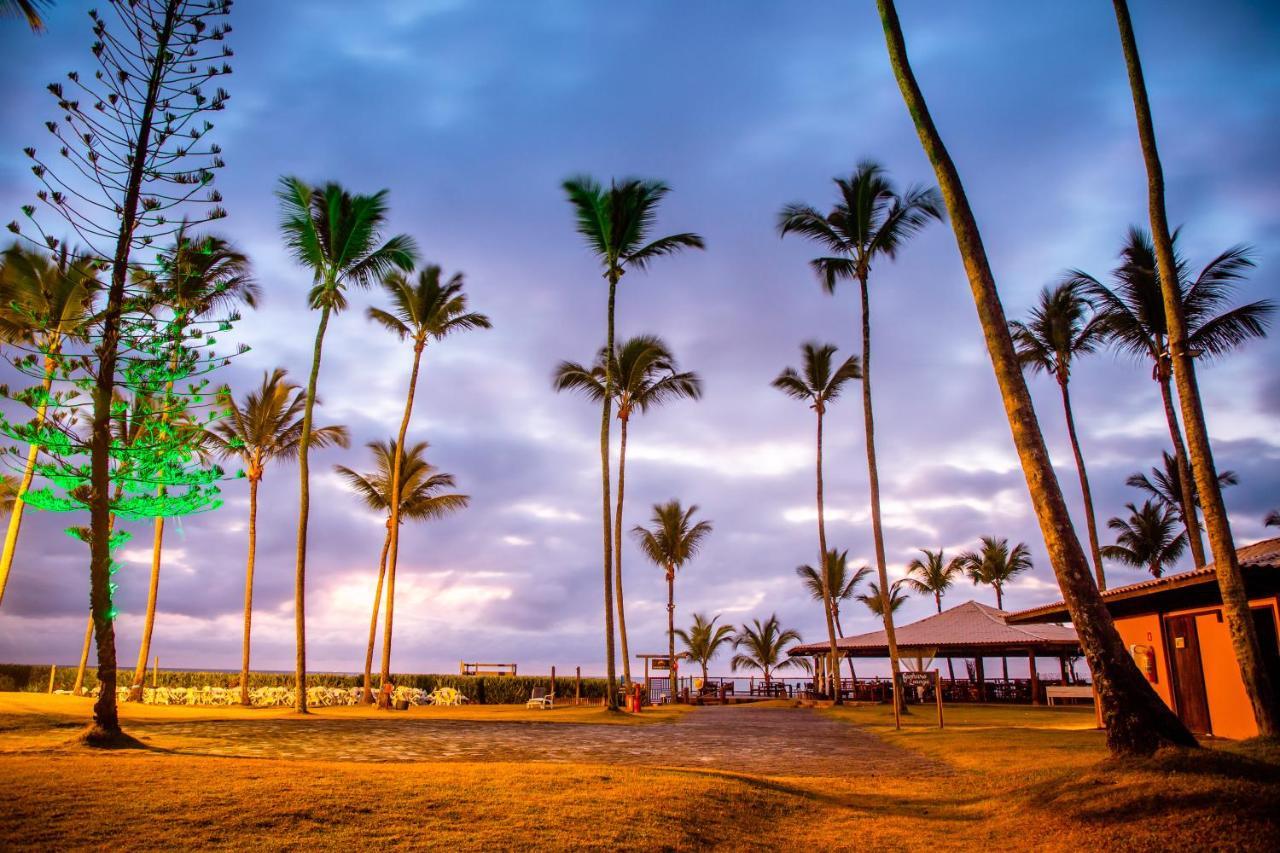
column 672, row 541
column 840, row 581
column 1148, row 539
column 995, row 564
column 1264, row 696
column 1165, row 485
column 337, row 236
column 45, row 301
column 646, row 376
column 761, row 646
column 265, row 428
column 424, row 310
column 1133, row 312
column 818, row 383
column 1137, row 720
column 1060, row 329
column 870, row 220
column 197, row 276
column 875, row 600
column 703, row 640
column 616, row 224
column 934, row 575
column 420, row 488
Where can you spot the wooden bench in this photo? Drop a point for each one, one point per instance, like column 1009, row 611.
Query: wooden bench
column 1064, row 691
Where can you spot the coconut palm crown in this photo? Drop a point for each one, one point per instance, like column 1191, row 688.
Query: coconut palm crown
column 762, row 646
column 1148, row 539
column 426, row 308
column 703, row 640
column 839, row 580
column 819, row 380
column 874, row 599
column 995, row 564
column 1164, row 485
column 933, row 574
column 420, row 487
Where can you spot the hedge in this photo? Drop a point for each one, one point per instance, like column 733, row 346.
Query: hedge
column 486, row 689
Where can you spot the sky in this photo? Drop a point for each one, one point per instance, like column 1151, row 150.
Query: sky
column 472, row 113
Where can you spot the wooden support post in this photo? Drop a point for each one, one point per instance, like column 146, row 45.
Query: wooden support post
column 53, row 669
column 937, row 693
column 155, row 674
column 553, row 681
column 1035, row 677
column 982, row 679
column 1062, row 665
column 577, row 686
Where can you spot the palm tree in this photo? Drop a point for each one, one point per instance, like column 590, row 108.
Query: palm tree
column 671, row 542
column 1165, row 485
column 336, row 235
column 421, row 498
column 995, row 564
column 1059, row 330
column 874, row 599
column 1134, row 315
column 762, row 647
column 934, row 575
column 422, row 311
column 265, row 428
column 1137, row 720
column 646, row 376
column 8, row 492
column 616, row 224
column 1148, row 538
column 26, row 9
column 703, row 640
column 45, row 301
column 842, row 584
column 870, row 220
column 818, row 383
column 197, row 276
column 1263, row 695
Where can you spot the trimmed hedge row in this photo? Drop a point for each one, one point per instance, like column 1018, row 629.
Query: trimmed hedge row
column 484, row 690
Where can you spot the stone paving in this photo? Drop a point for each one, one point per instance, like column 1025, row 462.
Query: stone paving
column 773, row 741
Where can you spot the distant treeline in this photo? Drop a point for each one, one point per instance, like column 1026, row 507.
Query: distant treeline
column 485, row 690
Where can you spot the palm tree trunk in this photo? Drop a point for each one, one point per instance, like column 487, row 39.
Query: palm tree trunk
column 304, row 512
column 1090, row 521
column 951, row 671
column 827, row 601
column 367, row 694
column 1235, row 601
column 78, row 688
column 394, row 551
column 153, row 590
column 1004, row 661
column 1137, row 720
column 853, row 675
column 606, row 411
column 1186, row 479
column 877, row 529
column 671, row 629
column 248, row 589
column 617, row 555
column 28, row 473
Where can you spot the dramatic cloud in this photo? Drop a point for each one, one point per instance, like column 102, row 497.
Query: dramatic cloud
column 471, row 115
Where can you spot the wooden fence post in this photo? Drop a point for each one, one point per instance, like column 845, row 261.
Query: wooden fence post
column 577, row 686
column 53, row 668
column 155, row 674
column 937, row 692
column 553, row 681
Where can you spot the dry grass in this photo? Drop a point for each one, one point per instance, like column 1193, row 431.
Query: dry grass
column 1020, row 778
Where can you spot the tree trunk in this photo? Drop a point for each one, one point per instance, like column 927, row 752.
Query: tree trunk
column 1235, row 601
column 106, row 719
column 393, row 553
column 1186, row 480
column 671, row 628
column 248, row 587
column 304, row 512
column 1004, row 661
column 77, row 689
column 28, row 473
column 606, row 411
column 617, row 553
column 149, row 623
column 366, row 695
column 1137, row 721
column 833, row 677
column 853, row 675
column 877, row 530
column 1090, row 521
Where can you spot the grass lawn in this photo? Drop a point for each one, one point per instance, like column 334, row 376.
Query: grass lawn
column 1020, row 778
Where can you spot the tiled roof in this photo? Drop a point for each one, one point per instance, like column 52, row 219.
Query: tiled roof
column 965, row 625
column 1259, row 555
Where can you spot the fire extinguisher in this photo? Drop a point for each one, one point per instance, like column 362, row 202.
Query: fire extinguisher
column 1145, row 657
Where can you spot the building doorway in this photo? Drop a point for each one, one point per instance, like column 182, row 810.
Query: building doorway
column 1190, row 701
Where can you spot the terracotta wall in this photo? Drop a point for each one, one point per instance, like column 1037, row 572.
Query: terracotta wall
column 1145, row 630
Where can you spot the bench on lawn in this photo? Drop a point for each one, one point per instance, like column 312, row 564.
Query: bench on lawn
column 1067, row 691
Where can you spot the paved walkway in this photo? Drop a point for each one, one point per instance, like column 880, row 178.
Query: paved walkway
column 774, row 741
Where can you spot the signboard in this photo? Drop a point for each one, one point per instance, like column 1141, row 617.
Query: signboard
column 660, row 664
column 918, row 678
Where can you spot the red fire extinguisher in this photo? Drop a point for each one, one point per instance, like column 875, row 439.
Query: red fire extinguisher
column 1145, row 657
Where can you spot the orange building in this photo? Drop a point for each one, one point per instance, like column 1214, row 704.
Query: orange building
column 1174, row 628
